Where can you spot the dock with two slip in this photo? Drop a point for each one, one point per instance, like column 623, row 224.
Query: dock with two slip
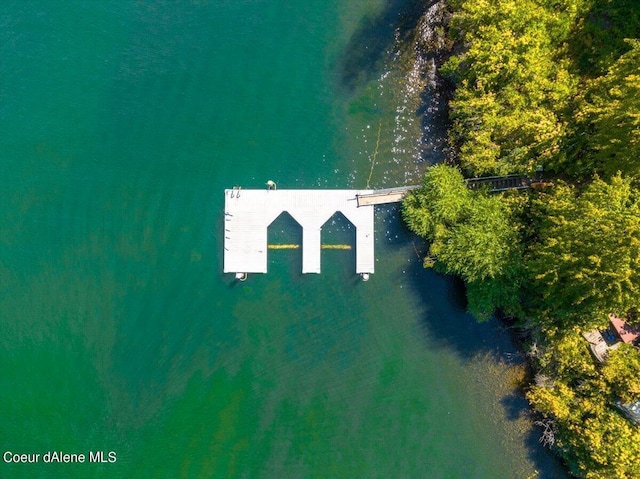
column 248, row 214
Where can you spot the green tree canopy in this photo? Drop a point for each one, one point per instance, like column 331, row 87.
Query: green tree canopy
column 586, row 261
column 553, row 83
column 621, row 372
column 512, row 82
column 471, row 234
column 594, row 438
column 612, row 111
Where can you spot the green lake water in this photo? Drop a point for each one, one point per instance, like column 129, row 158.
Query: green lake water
column 121, row 123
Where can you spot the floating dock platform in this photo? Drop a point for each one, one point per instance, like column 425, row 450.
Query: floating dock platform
column 248, row 214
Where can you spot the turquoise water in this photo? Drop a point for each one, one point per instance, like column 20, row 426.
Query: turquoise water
column 121, row 124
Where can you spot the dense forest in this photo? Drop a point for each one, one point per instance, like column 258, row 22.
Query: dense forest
column 551, row 86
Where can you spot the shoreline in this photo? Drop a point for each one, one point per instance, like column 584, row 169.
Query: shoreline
column 436, row 47
column 539, row 262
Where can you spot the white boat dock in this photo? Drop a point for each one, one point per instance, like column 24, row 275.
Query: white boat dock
column 248, row 214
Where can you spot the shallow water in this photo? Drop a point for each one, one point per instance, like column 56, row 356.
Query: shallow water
column 122, row 123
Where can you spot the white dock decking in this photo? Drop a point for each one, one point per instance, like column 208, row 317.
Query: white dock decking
column 248, row 214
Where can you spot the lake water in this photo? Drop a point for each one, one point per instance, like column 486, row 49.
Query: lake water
column 121, row 123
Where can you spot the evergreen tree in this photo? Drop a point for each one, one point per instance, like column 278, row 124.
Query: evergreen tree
column 586, row 262
column 552, row 83
column 512, row 82
column 612, row 111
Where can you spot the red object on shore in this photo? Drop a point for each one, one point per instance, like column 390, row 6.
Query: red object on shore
column 626, row 333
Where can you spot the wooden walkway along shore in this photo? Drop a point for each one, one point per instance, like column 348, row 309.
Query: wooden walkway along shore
column 500, row 183
column 493, row 183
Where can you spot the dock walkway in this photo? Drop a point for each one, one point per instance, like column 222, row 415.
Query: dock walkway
column 384, row 196
column 500, row 183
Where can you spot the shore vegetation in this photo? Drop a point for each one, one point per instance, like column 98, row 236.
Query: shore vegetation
column 551, row 85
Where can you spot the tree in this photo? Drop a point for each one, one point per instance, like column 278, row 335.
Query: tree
column 551, row 83
column 594, row 439
column 611, row 109
column 621, row 372
column 512, row 82
column 471, row 235
column 586, row 260
column 440, row 202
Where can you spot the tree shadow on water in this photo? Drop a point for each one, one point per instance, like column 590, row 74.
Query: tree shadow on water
column 548, row 466
column 447, row 323
column 374, row 36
